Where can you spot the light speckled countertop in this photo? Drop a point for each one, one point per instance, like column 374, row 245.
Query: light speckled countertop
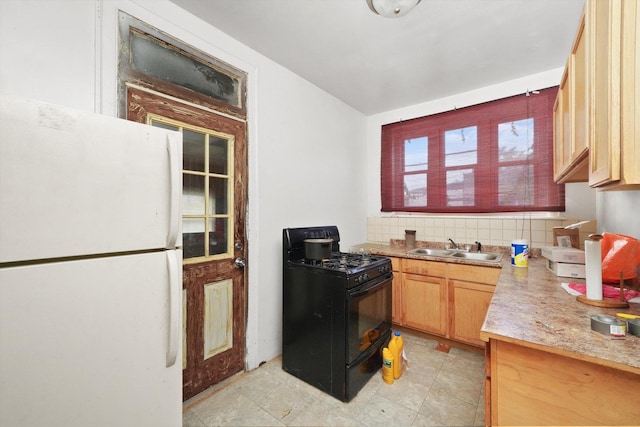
column 530, row 308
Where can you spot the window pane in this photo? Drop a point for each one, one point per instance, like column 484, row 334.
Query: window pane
column 416, row 154
column 460, row 187
column 218, row 196
column 193, row 237
column 150, row 57
column 515, row 140
column 461, row 146
column 218, row 235
column 515, row 185
column 192, row 195
column 193, row 150
column 218, row 159
column 163, row 125
column 415, row 190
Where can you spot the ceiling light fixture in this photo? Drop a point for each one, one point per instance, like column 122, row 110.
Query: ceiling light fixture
column 392, row 8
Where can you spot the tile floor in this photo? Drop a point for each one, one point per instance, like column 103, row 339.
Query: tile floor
column 438, row 389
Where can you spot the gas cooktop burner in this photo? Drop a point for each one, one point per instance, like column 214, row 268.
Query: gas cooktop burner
column 343, row 261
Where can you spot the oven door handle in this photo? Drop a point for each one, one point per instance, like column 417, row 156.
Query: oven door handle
column 368, row 287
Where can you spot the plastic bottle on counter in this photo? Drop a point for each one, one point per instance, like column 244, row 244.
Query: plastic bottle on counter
column 396, row 346
column 387, row 366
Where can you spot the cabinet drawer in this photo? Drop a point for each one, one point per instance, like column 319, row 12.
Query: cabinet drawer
column 474, row 273
column 396, row 264
column 427, row 268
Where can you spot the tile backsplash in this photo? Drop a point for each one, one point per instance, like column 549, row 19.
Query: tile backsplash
column 488, row 231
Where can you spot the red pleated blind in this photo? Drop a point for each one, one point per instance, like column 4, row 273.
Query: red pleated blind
column 491, row 157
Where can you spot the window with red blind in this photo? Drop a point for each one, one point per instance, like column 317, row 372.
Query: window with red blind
column 491, row 157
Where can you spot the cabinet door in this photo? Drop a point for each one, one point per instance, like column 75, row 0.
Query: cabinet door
column 630, row 97
column 469, row 303
column 580, row 97
column 425, row 303
column 571, row 127
column 604, row 17
column 558, row 137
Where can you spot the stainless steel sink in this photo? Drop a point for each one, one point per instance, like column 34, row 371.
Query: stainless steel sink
column 445, row 253
column 430, row 252
column 478, row 256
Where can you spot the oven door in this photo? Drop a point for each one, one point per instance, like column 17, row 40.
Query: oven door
column 369, row 315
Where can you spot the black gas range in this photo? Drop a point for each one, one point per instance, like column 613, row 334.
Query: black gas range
column 336, row 313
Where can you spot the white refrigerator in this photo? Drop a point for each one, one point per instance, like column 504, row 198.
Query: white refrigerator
column 90, row 269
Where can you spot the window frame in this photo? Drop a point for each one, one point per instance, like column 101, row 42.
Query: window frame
column 486, row 116
column 207, row 174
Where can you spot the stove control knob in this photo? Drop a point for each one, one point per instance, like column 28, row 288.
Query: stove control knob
column 362, row 278
column 383, row 269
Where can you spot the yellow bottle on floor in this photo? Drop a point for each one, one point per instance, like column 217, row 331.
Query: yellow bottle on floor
column 387, row 366
column 396, row 346
column 393, row 348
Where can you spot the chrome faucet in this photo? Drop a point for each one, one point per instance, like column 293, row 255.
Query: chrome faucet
column 479, row 246
column 455, row 245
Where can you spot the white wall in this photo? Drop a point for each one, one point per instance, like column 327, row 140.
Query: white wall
column 619, row 212
column 305, row 162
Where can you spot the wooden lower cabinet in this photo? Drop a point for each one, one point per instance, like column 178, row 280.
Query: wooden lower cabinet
column 425, row 303
column 469, row 303
column 441, row 298
column 470, row 290
column 529, row 386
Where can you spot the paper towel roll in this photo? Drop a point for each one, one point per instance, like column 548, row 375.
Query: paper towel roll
column 593, row 266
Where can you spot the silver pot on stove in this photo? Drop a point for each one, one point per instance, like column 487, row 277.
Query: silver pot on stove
column 317, row 249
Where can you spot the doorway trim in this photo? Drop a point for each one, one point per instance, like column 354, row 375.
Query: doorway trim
column 171, row 19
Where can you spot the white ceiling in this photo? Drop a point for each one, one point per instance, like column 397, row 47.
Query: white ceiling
column 376, row 64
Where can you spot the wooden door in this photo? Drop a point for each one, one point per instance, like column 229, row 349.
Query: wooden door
column 214, row 202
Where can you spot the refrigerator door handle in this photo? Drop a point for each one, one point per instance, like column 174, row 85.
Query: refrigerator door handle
column 174, row 307
column 174, row 145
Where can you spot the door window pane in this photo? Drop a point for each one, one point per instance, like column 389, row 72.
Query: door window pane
column 193, row 201
column 218, row 155
column 193, row 237
column 515, row 140
column 164, row 125
column 218, row 235
column 461, row 146
column 193, row 146
column 218, row 196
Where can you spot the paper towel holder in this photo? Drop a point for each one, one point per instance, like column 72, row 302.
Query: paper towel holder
column 607, row 302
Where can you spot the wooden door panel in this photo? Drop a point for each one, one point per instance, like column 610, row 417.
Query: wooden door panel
column 214, row 288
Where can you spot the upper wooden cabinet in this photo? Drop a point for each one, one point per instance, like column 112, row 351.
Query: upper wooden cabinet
column 571, row 118
column 600, row 86
column 615, row 93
